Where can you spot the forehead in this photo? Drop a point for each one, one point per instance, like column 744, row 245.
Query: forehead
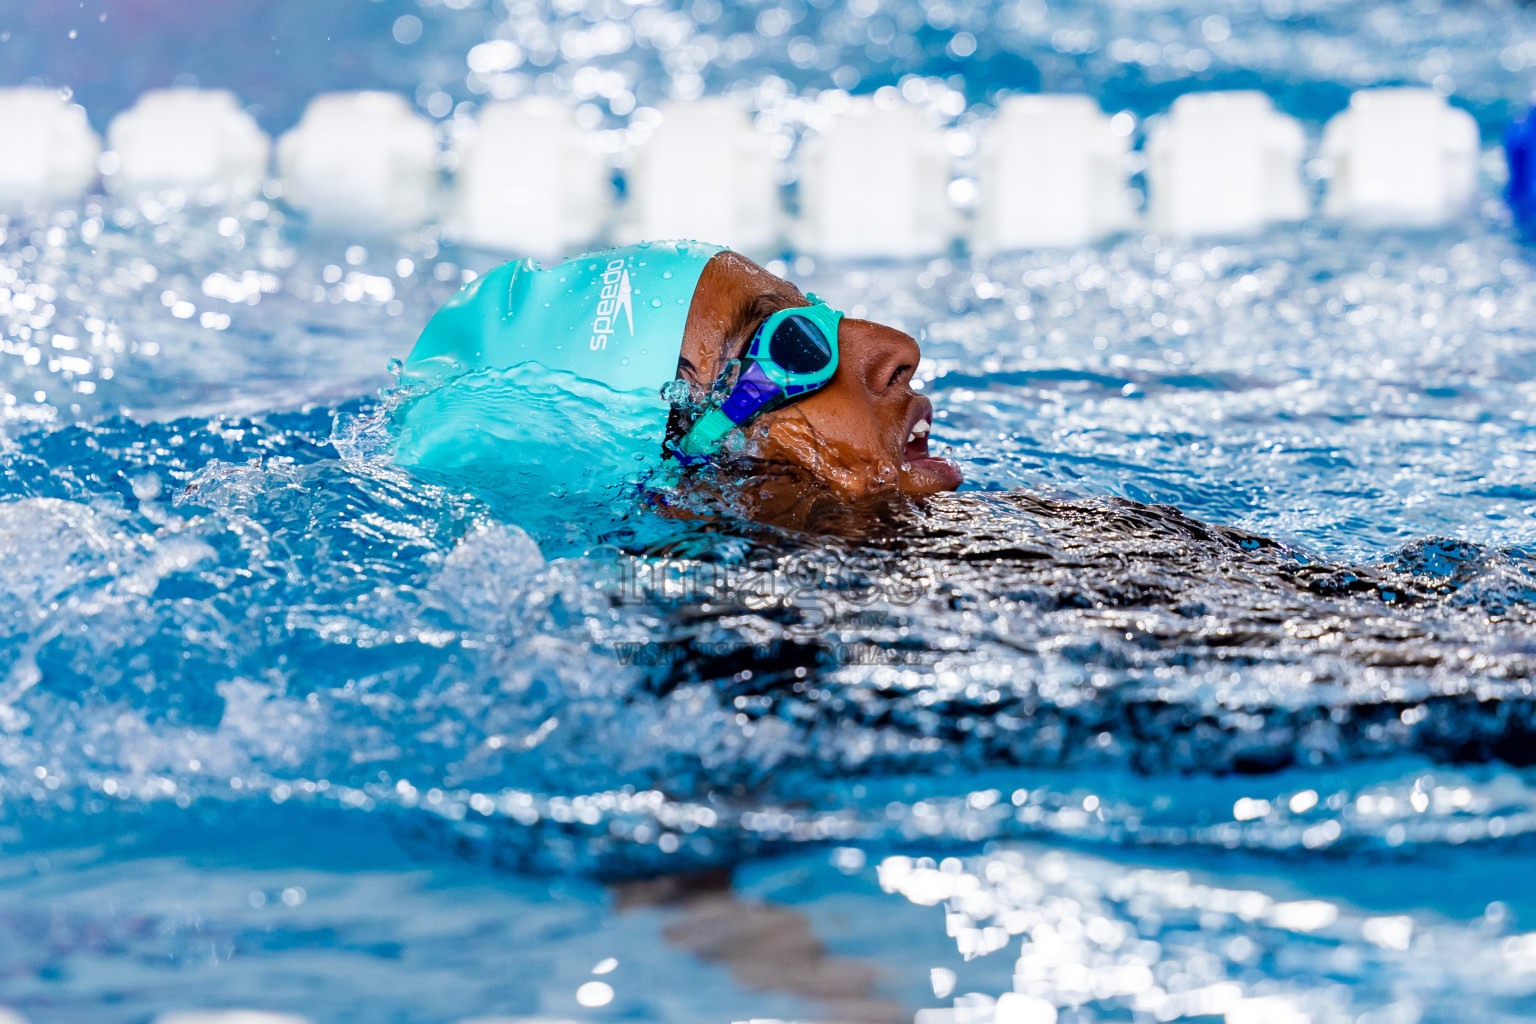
column 749, row 280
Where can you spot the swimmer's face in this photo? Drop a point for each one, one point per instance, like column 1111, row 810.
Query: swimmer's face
column 865, row 432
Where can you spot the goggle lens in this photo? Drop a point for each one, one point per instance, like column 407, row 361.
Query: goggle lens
column 799, row 346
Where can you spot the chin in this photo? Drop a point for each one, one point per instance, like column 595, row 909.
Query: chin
column 930, row 475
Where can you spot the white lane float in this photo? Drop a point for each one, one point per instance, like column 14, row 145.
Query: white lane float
column 363, row 162
column 1224, row 163
column 1050, row 173
column 704, row 173
column 188, row 138
column 1400, row 157
column 875, row 185
column 50, row 151
column 529, row 181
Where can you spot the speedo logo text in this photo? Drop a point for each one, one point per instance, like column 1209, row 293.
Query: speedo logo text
column 615, row 297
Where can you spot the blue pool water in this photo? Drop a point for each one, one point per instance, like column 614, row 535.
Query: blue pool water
column 1211, row 695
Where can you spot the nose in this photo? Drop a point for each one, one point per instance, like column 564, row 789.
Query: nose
column 882, row 357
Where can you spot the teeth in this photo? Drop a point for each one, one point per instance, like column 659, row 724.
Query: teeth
column 921, row 430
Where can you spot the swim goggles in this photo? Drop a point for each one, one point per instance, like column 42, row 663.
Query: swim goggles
column 793, row 353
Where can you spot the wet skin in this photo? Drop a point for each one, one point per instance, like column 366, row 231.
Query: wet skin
column 862, row 434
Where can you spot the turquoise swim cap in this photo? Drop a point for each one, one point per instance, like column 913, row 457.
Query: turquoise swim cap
column 615, row 317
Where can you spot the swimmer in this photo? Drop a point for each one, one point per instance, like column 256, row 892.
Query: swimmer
column 773, row 377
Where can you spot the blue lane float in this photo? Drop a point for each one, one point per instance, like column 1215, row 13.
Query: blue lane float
column 1520, row 153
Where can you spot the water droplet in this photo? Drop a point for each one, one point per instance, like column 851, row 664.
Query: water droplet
column 666, row 275
column 655, row 303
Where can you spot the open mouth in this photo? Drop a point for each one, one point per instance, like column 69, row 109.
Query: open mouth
column 921, row 470
column 917, row 439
